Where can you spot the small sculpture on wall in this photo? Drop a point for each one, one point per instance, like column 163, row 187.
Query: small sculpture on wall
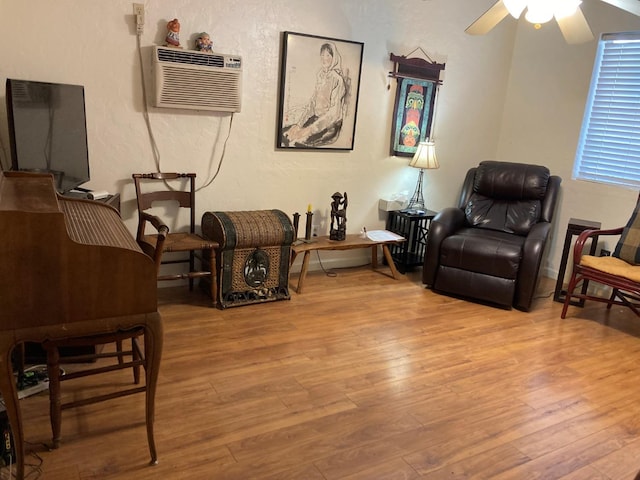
column 338, row 216
column 173, row 33
column 204, row 43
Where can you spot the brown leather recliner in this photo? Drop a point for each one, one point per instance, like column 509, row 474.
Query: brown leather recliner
column 490, row 247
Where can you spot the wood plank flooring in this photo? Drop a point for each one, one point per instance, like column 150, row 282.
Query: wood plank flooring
column 363, row 377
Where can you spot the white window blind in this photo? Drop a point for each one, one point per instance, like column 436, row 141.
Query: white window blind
column 609, row 145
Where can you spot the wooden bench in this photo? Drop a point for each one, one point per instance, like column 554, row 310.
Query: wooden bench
column 351, row 242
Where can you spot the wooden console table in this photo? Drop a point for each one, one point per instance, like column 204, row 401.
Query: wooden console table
column 351, row 242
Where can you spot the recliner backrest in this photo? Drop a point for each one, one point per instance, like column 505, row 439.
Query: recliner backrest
column 505, row 196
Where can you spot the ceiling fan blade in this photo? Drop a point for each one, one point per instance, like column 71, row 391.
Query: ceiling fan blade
column 631, row 6
column 575, row 28
column 488, row 19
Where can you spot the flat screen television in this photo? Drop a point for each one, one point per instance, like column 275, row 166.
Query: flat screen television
column 48, row 131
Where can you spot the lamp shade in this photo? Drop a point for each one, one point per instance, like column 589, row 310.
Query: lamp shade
column 425, row 156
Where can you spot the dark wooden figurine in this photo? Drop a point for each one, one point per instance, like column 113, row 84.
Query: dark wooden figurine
column 338, row 217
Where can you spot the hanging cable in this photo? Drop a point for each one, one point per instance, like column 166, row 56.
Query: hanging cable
column 145, row 108
column 224, row 149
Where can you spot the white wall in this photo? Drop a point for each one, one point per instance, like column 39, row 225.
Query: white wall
column 545, row 101
column 92, row 43
column 525, row 109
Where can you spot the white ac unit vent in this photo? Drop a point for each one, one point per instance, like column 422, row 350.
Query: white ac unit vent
column 197, row 80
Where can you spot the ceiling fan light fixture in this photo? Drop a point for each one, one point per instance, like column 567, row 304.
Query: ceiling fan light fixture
column 539, row 11
column 515, row 7
column 568, row 15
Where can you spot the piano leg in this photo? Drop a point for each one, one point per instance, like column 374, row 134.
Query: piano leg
column 10, row 395
column 153, row 340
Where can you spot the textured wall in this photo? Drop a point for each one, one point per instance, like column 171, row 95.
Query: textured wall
column 92, row 43
column 548, row 87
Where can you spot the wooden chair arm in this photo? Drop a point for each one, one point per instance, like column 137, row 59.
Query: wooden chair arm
column 162, row 231
column 158, row 224
column 586, row 235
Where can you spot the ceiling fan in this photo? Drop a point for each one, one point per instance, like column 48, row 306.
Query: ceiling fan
column 568, row 15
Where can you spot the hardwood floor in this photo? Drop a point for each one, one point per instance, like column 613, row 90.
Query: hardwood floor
column 364, row 377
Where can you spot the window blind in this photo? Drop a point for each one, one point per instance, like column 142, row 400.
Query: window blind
column 609, row 146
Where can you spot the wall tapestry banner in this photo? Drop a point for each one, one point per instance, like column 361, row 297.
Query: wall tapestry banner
column 412, row 115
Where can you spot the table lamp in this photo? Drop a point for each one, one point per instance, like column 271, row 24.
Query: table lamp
column 425, row 157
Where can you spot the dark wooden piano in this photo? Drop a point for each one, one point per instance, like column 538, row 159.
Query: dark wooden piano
column 69, row 268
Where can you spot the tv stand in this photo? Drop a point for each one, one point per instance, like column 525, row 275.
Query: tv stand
column 77, row 193
column 112, row 200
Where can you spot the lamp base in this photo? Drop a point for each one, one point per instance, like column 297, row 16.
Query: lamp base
column 417, row 200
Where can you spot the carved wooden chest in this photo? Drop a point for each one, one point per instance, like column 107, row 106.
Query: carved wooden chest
column 254, row 255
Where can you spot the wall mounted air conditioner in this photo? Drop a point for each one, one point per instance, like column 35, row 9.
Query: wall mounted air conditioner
column 196, row 80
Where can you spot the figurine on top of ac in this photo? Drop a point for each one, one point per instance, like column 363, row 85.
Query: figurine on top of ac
column 204, row 43
column 173, row 34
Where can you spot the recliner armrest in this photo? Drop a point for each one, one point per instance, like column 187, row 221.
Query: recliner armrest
column 444, row 224
column 532, row 251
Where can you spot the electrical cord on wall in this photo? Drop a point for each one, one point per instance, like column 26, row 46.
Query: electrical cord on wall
column 545, row 294
column 332, row 272
column 328, row 273
column 224, row 149
column 145, row 108
column 154, row 145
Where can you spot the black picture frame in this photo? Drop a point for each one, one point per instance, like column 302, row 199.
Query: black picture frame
column 318, row 103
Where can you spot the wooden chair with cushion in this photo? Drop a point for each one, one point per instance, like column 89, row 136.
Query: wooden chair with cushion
column 149, row 194
column 620, row 272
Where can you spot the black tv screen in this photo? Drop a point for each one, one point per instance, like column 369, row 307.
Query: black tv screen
column 48, row 130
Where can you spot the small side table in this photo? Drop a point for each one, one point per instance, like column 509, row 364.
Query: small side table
column 575, row 227
column 113, row 200
column 413, row 227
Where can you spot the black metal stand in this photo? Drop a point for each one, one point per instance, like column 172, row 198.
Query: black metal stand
column 575, row 227
column 417, row 200
column 413, row 227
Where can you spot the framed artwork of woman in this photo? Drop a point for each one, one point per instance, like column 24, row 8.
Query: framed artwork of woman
column 319, row 86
